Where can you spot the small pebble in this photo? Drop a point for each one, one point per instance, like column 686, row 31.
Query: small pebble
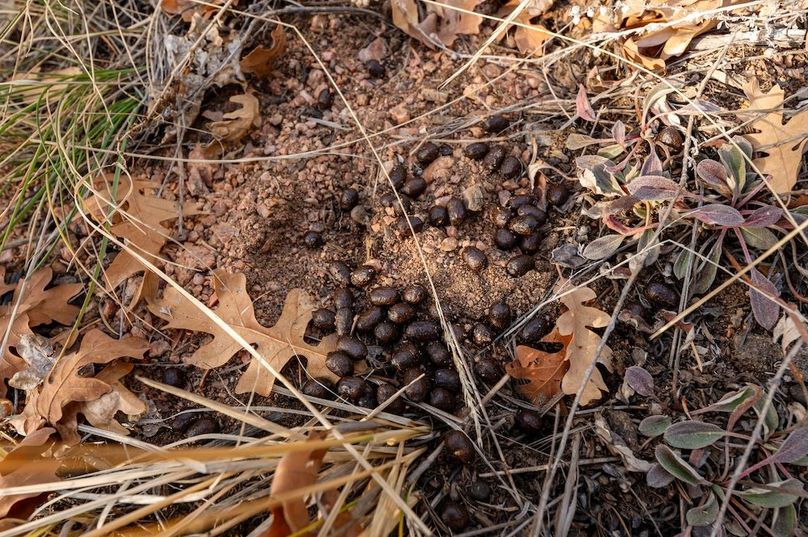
column 501, row 217
column 474, row 198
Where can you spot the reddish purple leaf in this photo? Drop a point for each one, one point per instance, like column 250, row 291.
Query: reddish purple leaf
column 763, row 217
column 653, row 188
column 640, row 380
column 582, row 107
column 793, row 448
column 764, row 309
column 652, row 165
column 714, row 175
column 718, row 214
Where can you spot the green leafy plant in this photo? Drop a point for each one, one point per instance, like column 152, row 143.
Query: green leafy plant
column 700, row 456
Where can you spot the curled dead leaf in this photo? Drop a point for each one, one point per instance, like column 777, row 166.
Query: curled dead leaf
column 528, row 37
column 543, row 371
column 235, row 125
column 260, row 60
column 436, row 23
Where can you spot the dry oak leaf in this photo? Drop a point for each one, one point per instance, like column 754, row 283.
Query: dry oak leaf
column 101, row 412
column 235, row 125
column 528, row 40
column 26, row 464
column 259, row 61
column 580, row 351
column 277, row 344
column 543, row 371
column 783, row 143
column 138, row 218
column 188, row 8
column 65, row 384
column 669, row 38
column 296, row 470
column 440, row 23
column 35, row 305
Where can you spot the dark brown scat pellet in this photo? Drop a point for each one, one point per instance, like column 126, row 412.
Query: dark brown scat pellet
column 325, row 99
column 454, row 515
column 534, row 330
column 481, row 335
column 323, row 319
column 414, row 187
column 660, row 293
column 438, row 216
column 174, row 376
column 447, row 378
column 528, row 420
column 474, row 258
column 476, row 150
column 383, row 296
column 427, row 153
column 458, row 446
column 339, row 363
column 499, row 315
column 343, row 321
column 368, row 319
column 557, row 194
column 351, row 388
column 375, row 69
column 510, row 168
column 401, row 313
column 342, row 297
column 363, row 276
column 386, row 332
column 312, row 239
column 438, row 354
column 352, row 346
column 496, row 123
column 505, row 240
column 532, row 210
column 442, row 398
column 340, row 273
column 417, row 390
column 493, row 160
column 488, row 370
column 671, row 138
column 348, row 199
column 386, row 391
column 202, row 426
column 457, row 211
column 530, row 244
column 520, row 265
column 414, row 294
column 398, row 176
column 422, row 331
column 320, row 388
column 480, row 491
column 523, row 225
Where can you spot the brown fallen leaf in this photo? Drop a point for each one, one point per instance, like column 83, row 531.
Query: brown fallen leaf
column 543, row 371
column 65, row 385
column 260, row 60
column 32, row 465
column 101, row 412
column 277, row 344
column 296, row 470
column 580, row 351
column 188, row 8
column 440, row 23
column 784, row 144
column 37, row 306
column 235, row 125
column 139, row 220
column 668, row 38
column 528, row 40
